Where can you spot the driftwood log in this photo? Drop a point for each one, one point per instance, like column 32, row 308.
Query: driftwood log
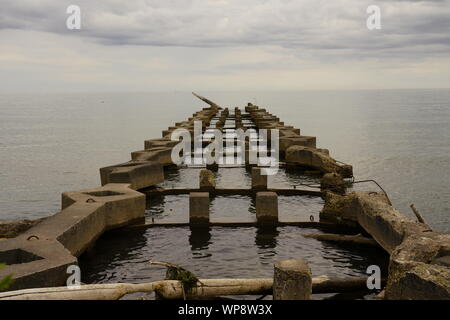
column 353, row 239
column 172, row 289
column 211, row 103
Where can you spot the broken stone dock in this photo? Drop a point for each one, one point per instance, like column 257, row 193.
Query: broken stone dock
column 419, row 266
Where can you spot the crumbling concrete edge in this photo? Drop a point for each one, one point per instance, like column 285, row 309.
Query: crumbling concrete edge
column 419, row 265
column 40, row 256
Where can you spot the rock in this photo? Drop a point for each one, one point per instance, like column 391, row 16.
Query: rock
column 384, row 223
column 338, row 209
column 292, row 280
column 207, row 180
column 311, row 157
column 296, row 140
column 333, row 182
column 412, row 276
column 11, row 229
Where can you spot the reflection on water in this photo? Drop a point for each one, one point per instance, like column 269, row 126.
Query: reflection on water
column 199, row 240
column 218, row 252
column 175, row 208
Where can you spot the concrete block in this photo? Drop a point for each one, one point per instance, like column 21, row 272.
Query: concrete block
column 167, row 143
column 162, row 155
column 139, row 174
column 292, row 280
column 199, row 208
column 259, row 181
column 312, row 158
column 267, row 207
column 207, row 180
column 39, row 257
column 333, row 182
column 287, row 141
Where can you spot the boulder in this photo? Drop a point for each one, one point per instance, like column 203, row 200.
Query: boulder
column 312, row 158
column 333, row 182
column 207, row 180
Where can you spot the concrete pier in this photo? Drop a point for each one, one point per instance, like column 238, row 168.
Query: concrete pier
column 259, row 181
column 40, row 256
column 267, row 208
column 207, row 180
column 139, row 174
column 419, row 257
column 292, row 280
column 199, row 208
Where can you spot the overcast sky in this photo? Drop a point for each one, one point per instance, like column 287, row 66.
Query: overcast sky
column 166, row 45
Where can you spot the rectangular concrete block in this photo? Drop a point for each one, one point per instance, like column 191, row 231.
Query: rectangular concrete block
column 162, row 155
column 292, row 280
column 267, row 207
column 199, row 208
column 151, row 143
column 138, row 174
column 305, row 141
column 259, row 181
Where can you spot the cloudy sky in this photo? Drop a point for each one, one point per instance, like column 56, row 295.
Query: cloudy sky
column 166, row 45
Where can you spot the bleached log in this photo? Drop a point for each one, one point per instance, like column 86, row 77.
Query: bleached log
column 217, row 287
column 211, row 103
column 172, row 289
column 354, row 239
column 110, row 291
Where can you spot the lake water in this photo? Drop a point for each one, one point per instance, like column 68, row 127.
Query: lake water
column 51, row 143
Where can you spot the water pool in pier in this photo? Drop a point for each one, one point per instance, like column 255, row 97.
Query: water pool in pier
column 219, row 252
column 223, row 252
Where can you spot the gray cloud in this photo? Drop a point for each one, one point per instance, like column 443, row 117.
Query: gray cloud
column 336, row 26
column 223, row 45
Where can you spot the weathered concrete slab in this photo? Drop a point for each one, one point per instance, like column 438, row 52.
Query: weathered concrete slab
column 207, row 181
column 162, row 155
column 139, row 174
column 416, row 270
column 11, row 229
column 199, row 208
column 311, row 157
column 267, row 207
column 333, row 182
column 384, row 223
column 259, row 180
column 338, row 209
column 287, row 141
column 167, row 143
column 40, row 256
column 292, row 280
column 413, row 272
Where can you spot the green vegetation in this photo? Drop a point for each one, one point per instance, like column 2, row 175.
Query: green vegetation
column 175, row 272
column 6, row 281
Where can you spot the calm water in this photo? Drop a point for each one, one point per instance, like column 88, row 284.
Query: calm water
column 220, row 253
column 52, row 143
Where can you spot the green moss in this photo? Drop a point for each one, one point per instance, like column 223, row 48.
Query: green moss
column 6, row 281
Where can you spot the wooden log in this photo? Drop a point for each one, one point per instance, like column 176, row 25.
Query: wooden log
column 217, row 287
column 325, row 284
column 211, row 103
column 110, row 291
column 353, row 239
column 172, row 289
column 419, row 216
